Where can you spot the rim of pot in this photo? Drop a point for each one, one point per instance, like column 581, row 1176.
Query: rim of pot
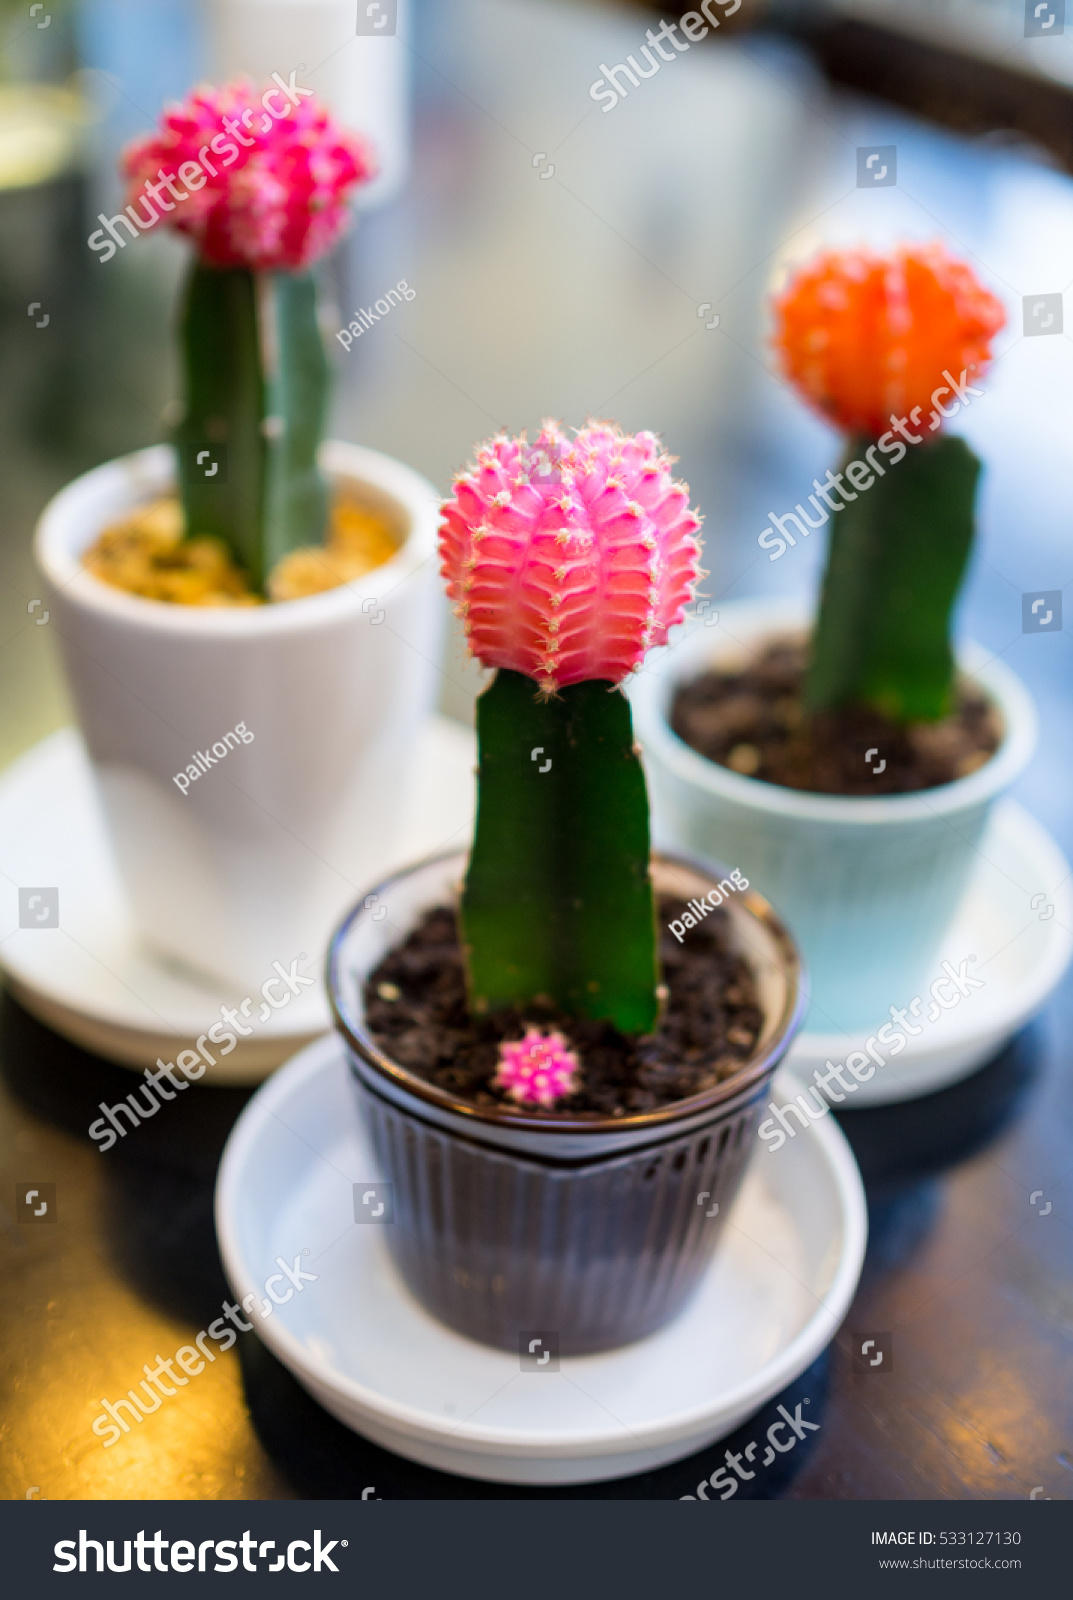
column 748, row 904
column 653, row 688
column 408, row 499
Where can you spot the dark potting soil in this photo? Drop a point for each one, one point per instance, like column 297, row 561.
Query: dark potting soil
column 415, row 1007
column 752, row 721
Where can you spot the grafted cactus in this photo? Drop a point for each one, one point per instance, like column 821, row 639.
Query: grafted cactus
column 266, row 183
column 888, row 348
column 567, row 560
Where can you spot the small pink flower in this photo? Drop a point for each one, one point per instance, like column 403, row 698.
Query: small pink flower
column 568, row 559
column 273, row 191
column 537, row 1070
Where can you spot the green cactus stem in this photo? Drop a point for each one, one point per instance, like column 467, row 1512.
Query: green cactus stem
column 255, row 380
column 558, row 902
column 224, row 404
column 896, row 558
column 296, row 509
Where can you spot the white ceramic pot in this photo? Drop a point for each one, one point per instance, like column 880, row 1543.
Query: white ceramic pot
column 867, row 886
column 257, row 858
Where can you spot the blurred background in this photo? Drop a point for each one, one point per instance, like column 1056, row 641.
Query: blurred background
column 569, row 256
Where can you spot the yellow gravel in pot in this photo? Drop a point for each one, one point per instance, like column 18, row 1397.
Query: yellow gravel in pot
column 146, row 554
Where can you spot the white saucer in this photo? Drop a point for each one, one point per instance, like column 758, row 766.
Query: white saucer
column 779, row 1286
column 1016, row 923
column 91, row 979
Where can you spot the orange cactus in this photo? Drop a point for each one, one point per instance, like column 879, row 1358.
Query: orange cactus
column 865, row 337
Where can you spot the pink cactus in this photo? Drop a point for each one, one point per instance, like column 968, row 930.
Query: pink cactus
column 537, row 1070
column 569, row 559
column 261, row 189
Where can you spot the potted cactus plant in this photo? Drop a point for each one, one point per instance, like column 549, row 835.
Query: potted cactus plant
column 248, row 617
column 852, row 767
column 562, row 1043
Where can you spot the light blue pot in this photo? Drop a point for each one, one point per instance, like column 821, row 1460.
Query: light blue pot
column 867, row 887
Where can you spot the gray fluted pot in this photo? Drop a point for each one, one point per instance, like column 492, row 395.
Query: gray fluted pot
column 593, row 1232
